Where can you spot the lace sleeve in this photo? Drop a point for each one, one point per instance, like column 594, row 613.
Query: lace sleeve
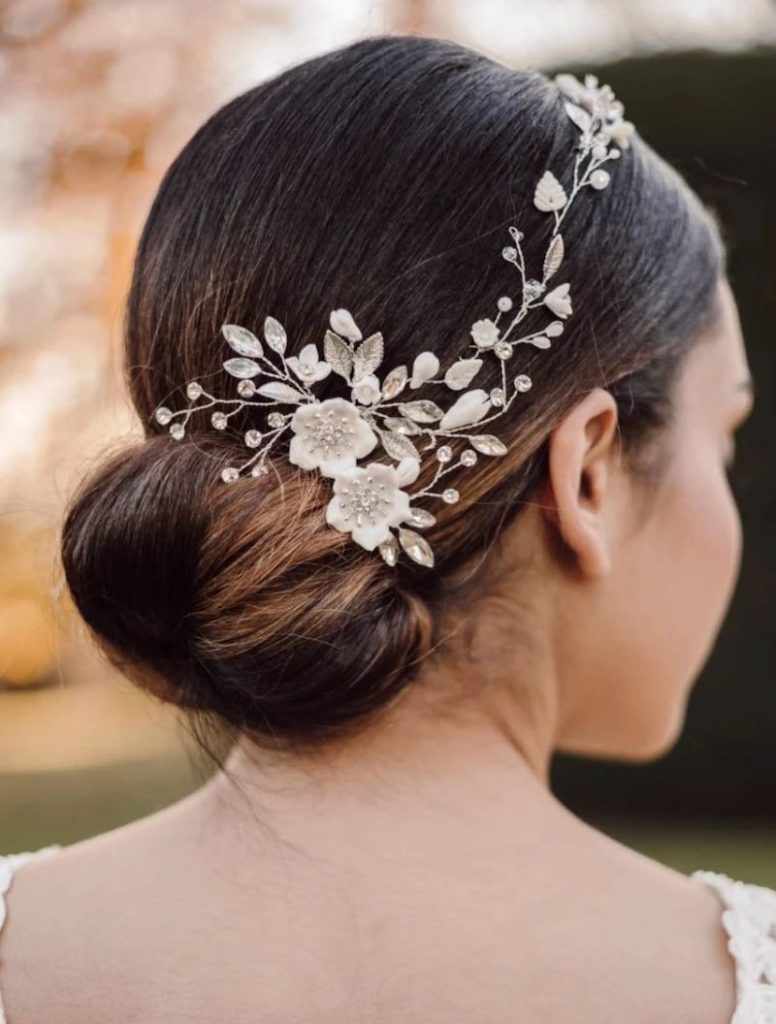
column 749, row 919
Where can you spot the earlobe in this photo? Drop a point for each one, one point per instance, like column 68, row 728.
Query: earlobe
column 581, row 450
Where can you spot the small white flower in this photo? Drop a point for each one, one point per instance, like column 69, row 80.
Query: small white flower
column 307, row 366
column 343, row 323
column 367, row 502
column 620, row 133
column 329, row 436
column 470, row 407
column 485, row 333
column 559, row 301
column 367, row 390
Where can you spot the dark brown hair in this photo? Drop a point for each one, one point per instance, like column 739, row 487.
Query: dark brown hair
column 380, row 177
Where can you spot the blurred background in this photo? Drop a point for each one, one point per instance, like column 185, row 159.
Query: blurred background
column 96, row 98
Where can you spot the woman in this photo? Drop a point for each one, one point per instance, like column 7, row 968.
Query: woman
column 382, row 843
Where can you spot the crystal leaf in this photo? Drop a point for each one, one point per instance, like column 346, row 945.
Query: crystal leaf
column 369, row 355
column 242, row 341
column 579, row 116
column 461, row 374
column 389, row 549
column 398, row 446
column 282, row 392
column 554, row 257
column 242, row 368
column 417, row 547
column 422, row 411
column 487, row 444
column 421, row 518
column 549, row 194
column 401, row 425
column 337, row 354
column 275, row 334
column 395, row 382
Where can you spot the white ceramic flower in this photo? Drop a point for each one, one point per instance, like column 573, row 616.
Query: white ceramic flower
column 307, row 366
column 485, row 333
column 329, row 436
column 620, row 133
column 367, row 390
column 368, row 501
column 559, row 301
column 342, row 322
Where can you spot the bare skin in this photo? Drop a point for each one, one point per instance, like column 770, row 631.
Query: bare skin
column 424, row 872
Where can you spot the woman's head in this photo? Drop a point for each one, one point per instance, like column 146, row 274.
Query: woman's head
column 381, row 177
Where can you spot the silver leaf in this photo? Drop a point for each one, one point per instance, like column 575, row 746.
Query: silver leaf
column 398, row 446
column 417, row 547
column 421, row 518
column 369, row 355
column 579, row 116
column 282, row 392
column 275, row 334
column 242, row 341
column 389, row 549
column 401, row 425
column 461, row 374
column 488, row 444
column 395, row 382
column 337, row 354
column 422, row 411
column 242, row 368
column 554, row 257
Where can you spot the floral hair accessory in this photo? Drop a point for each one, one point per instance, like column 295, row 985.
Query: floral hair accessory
column 370, row 501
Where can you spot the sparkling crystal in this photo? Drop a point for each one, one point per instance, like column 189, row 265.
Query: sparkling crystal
column 276, row 419
column 253, row 438
column 599, row 179
column 230, row 474
column 417, row 547
column 177, row 431
column 599, row 151
column 554, row 330
column 614, row 153
column 389, row 549
column 488, row 444
column 163, row 415
column 523, row 382
column 504, row 303
column 450, row 495
column 533, row 289
column 469, row 457
column 242, row 368
column 503, row 349
column 194, row 390
column 219, row 420
column 497, row 396
column 246, row 389
column 509, row 253
column 421, row 517
column 445, row 453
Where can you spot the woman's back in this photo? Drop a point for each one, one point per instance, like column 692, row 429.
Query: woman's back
column 456, row 917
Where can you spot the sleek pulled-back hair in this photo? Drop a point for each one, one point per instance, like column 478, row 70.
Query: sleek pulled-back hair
column 380, row 177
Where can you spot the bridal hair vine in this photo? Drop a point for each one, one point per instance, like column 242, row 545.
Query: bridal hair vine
column 369, row 501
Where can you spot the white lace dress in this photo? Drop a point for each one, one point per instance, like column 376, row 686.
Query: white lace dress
column 748, row 915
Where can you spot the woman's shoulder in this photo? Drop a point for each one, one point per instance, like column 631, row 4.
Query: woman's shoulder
column 748, row 913
column 10, row 864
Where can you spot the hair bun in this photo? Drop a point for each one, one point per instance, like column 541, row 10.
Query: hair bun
column 236, row 601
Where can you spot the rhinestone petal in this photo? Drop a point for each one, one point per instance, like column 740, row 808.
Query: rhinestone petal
column 389, row 549
column 488, row 444
column 421, row 518
column 417, row 547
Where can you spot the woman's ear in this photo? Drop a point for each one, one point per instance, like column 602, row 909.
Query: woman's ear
column 581, row 451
